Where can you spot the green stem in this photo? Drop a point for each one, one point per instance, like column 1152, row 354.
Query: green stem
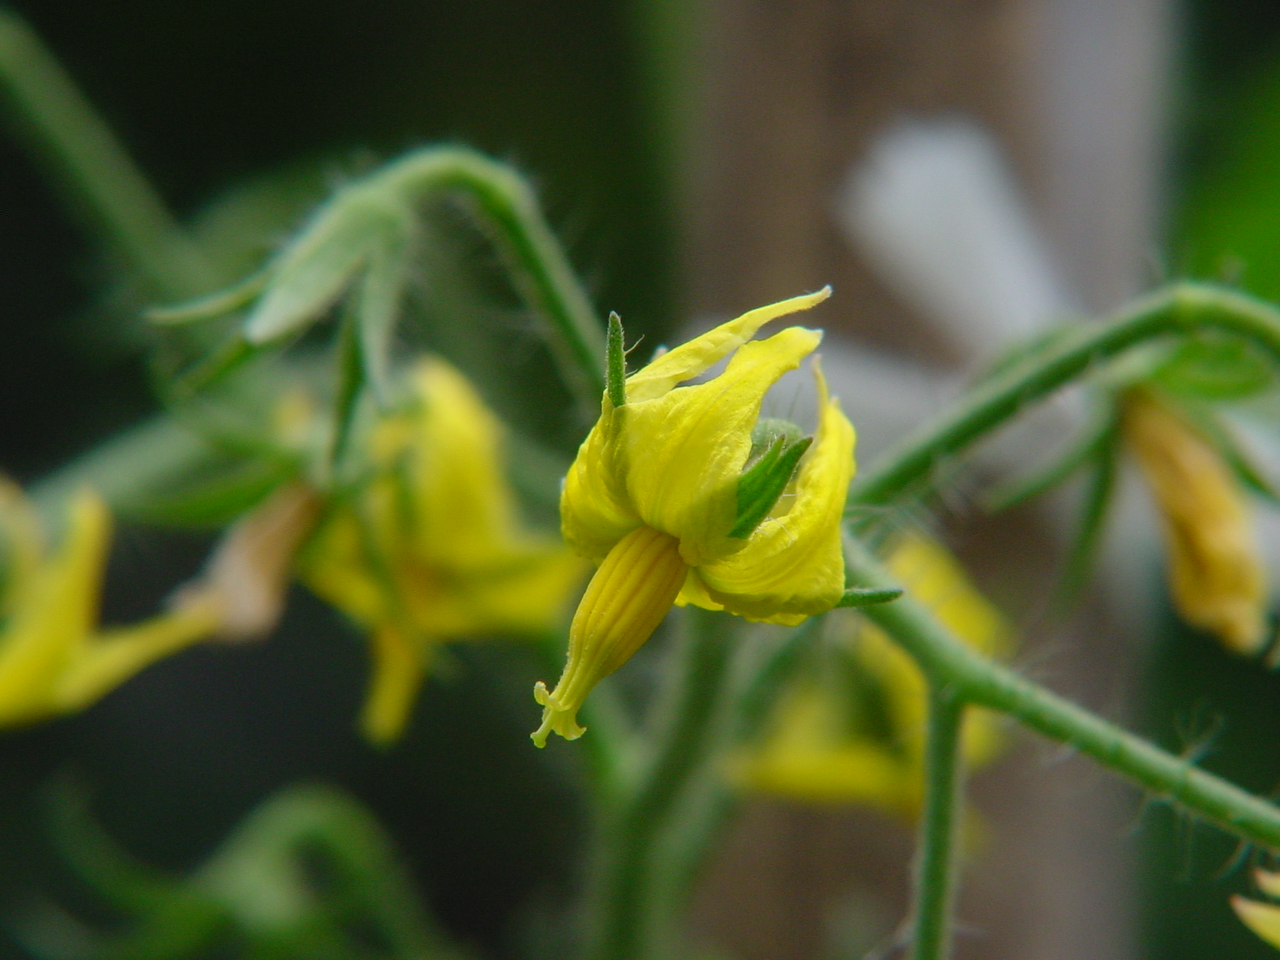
column 1181, row 308
column 104, row 184
column 632, row 917
column 543, row 273
column 266, row 854
column 935, row 867
column 974, row 679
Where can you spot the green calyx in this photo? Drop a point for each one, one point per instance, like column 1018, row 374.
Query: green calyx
column 776, row 449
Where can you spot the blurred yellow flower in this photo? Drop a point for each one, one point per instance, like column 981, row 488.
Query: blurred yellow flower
column 1216, row 574
column 666, row 497
column 430, row 548
column 1262, row 918
column 54, row 658
column 865, row 744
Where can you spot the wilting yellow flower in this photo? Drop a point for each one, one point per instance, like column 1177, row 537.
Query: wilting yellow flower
column 659, row 499
column 53, row 657
column 430, row 548
column 1216, row 574
column 826, row 746
column 1262, row 918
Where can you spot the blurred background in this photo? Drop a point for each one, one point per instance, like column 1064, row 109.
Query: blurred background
column 698, row 158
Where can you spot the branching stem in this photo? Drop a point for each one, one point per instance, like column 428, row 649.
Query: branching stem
column 971, row 678
column 539, row 266
column 1179, row 309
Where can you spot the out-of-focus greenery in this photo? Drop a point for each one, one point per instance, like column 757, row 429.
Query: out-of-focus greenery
column 226, row 105
column 1224, row 224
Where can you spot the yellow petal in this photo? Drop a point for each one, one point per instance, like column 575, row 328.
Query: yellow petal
column 462, row 506
column 54, row 616
column 22, row 547
column 595, row 507
column 683, row 453
column 1216, row 573
column 792, row 565
column 336, row 566
column 397, row 674
column 808, row 757
column 624, row 603
column 701, row 353
column 114, row 656
column 1268, row 883
column 1262, row 918
column 849, row 773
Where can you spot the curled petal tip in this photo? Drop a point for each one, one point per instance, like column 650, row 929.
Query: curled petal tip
column 561, row 720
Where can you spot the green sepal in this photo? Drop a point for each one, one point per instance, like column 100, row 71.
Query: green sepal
column 1103, row 431
column 1093, row 516
column 377, row 306
column 214, row 305
column 1216, row 368
column 352, row 382
column 762, row 483
column 229, row 356
column 216, row 498
column 867, row 596
column 1206, row 419
column 615, row 368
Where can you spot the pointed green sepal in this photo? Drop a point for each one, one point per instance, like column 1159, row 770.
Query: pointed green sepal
column 762, row 483
column 615, row 363
column 867, row 596
column 215, row 305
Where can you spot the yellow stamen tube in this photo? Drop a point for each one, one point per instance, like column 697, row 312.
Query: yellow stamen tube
column 625, row 601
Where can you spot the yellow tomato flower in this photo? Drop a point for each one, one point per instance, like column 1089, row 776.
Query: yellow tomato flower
column 54, row 659
column 658, row 498
column 825, row 749
column 1262, row 918
column 430, row 548
column 1216, row 574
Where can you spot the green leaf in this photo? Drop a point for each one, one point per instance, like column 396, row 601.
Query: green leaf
column 763, row 483
column 317, row 267
column 1216, row 368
